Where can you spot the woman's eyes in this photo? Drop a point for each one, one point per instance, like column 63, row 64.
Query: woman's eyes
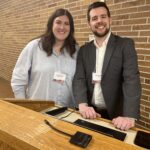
column 60, row 22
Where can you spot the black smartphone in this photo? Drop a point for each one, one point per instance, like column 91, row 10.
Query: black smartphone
column 56, row 111
column 142, row 139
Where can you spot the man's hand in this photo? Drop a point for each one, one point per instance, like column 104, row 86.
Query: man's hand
column 123, row 123
column 87, row 112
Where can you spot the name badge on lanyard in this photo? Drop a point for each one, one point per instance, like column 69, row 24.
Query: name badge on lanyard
column 59, row 77
column 96, row 77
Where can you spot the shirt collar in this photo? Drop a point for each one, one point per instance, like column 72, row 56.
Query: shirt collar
column 104, row 42
column 61, row 53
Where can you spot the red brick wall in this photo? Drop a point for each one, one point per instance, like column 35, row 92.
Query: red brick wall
column 20, row 21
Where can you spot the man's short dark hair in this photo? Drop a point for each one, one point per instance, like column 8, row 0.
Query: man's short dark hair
column 96, row 5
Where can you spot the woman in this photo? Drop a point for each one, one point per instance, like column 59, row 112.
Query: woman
column 46, row 66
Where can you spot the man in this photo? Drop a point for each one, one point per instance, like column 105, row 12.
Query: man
column 106, row 81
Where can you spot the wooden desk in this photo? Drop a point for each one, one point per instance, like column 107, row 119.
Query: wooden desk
column 72, row 117
column 36, row 105
column 24, row 129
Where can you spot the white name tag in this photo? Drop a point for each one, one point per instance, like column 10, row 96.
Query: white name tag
column 58, row 76
column 96, row 77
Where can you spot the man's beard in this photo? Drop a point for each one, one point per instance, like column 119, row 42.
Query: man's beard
column 101, row 34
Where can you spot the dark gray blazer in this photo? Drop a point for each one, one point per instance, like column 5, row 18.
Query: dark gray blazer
column 120, row 77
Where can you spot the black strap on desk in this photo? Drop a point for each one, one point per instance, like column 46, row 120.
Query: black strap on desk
column 100, row 129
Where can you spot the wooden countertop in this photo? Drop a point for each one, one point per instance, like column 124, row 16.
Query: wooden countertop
column 24, row 129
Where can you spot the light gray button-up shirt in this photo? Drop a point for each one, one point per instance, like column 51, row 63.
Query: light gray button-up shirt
column 32, row 76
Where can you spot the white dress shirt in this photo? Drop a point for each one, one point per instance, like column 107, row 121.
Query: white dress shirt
column 98, row 99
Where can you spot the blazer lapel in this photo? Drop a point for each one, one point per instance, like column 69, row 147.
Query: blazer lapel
column 92, row 57
column 108, row 53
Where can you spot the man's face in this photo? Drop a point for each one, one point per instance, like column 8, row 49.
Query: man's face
column 99, row 22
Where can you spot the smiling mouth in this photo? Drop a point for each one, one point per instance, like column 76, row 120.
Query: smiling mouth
column 100, row 26
column 61, row 32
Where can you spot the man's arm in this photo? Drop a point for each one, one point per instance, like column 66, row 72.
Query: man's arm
column 79, row 81
column 131, row 81
column 80, row 88
column 131, row 88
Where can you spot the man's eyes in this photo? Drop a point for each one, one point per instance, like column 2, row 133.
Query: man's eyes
column 96, row 18
column 104, row 16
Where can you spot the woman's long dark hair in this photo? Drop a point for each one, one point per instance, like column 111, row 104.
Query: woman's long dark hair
column 48, row 39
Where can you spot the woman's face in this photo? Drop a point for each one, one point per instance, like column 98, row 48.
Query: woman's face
column 61, row 28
